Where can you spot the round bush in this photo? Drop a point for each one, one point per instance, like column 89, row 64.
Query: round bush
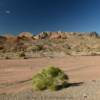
column 50, row 78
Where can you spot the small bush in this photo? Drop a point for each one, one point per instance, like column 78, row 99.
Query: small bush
column 50, row 78
column 7, row 57
column 22, row 54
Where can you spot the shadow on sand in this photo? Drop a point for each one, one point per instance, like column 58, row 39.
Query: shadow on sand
column 74, row 84
column 60, row 87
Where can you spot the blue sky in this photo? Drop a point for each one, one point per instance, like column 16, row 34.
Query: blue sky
column 49, row 15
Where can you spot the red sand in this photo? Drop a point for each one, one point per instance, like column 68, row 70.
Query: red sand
column 79, row 68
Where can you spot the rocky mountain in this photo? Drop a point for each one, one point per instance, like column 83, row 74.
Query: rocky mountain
column 51, row 43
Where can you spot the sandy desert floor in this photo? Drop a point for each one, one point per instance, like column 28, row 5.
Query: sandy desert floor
column 15, row 75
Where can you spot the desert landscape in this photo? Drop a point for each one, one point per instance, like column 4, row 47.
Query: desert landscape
column 22, row 56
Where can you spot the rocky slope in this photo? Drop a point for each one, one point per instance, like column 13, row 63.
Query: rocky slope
column 49, row 44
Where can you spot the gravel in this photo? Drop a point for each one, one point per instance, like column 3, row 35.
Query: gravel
column 88, row 90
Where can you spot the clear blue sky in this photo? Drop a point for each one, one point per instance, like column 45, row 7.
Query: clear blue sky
column 49, row 15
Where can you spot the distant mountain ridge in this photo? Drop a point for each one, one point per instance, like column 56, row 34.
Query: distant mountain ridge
column 44, row 43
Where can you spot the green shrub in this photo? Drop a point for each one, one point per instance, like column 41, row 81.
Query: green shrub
column 50, row 78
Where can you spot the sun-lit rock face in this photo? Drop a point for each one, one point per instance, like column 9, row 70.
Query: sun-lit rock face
column 63, row 35
column 36, row 37
column 55, row 35
column 51, row 35
column 25, row 34
column 42, row 35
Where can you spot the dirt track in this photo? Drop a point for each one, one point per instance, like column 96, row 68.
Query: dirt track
column 15, row 75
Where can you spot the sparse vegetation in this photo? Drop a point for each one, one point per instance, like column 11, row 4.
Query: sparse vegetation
column 22, row 54
column 37, row 48
column 7, row 57
column 51, row 78
column 68, row 43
